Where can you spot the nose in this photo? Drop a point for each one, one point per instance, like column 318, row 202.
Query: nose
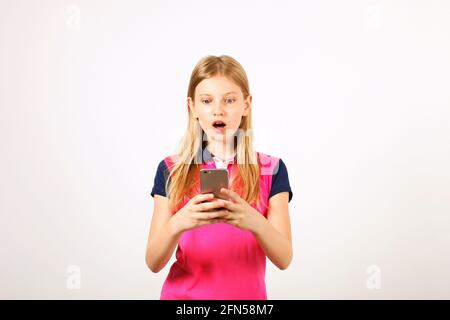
column 218, row 109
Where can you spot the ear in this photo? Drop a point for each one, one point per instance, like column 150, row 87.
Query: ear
column 248, row 104
column 190, row 104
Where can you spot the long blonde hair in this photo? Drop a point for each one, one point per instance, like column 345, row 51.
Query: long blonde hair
column 185, row 171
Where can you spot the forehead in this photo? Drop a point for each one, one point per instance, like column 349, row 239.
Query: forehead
column 217, row 86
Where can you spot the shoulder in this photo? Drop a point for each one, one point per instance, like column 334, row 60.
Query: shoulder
column 161, row 176
column 167, row 163
column 268, row 164
column 271, row 165
column 276, row 169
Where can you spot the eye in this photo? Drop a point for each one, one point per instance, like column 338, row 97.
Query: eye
column 203, row 101
column 230, row 99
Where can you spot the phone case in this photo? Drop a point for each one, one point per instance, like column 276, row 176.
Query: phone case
column 211, row 180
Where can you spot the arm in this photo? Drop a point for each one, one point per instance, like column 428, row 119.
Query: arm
column 163, row 236
column 166, row 229
column 274, row 233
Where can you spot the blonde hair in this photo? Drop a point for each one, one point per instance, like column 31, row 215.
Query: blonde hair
column 185, row 171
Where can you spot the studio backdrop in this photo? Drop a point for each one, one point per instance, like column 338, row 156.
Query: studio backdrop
column 352, row 95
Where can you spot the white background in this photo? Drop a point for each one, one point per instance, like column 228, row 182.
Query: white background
column 352, row 95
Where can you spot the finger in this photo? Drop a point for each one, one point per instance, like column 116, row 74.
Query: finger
column 229, row 205
column 213, row 215
column 202, row 197
column 210, row 221
column 220, row 214
column 233, row 223
column 226, row 217
column 210, row 205
column 217, row 220
column 233, row 195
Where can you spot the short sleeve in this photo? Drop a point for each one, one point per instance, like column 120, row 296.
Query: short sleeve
column 280, row 180
column 159, row 184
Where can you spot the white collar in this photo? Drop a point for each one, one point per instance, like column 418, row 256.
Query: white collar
column 223, row 163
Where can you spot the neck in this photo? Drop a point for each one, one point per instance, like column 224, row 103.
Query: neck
column 221, row 150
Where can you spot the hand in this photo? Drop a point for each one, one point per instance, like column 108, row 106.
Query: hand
column 241, row 214
column 199, row 210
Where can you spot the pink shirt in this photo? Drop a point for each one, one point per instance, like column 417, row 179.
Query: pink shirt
column 221, row 261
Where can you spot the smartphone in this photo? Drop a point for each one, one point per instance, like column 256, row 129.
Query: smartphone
column 212, row 180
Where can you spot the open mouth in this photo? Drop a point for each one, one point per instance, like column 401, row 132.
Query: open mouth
column 219, row 124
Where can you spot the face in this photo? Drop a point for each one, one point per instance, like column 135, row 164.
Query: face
column 219, row 104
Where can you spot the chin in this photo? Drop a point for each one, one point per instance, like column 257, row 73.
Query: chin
column 218, row 137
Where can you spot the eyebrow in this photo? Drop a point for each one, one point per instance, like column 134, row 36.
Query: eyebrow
column 207, row 94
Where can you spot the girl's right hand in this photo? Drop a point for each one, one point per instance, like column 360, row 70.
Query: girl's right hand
column 195, row 212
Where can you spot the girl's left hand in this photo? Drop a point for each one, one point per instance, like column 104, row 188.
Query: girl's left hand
column 241, row 214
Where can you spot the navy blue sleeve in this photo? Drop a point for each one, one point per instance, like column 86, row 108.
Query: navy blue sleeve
column 159, row 185
column 280, row 180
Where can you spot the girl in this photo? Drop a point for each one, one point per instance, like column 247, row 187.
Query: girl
column 222, row 244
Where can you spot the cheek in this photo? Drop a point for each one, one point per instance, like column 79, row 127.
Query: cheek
column 236, row 122
column 202, row 112
column 203, row 116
